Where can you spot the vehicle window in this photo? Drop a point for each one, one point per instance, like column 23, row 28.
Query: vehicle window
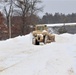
column 40, row 28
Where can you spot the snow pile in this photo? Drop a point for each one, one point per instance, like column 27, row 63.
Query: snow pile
column 61, row 24
column 19, row 57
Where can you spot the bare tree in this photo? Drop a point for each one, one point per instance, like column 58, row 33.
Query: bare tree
column 8, row 14
column 27, row 9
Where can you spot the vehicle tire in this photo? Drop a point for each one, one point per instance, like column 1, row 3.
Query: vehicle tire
column 45, row 39
column 37, row 42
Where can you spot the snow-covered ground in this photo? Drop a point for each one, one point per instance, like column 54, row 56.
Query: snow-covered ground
column 19, row 57
column 61, row 24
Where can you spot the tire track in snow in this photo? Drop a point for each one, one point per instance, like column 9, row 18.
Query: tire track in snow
column 16, row 58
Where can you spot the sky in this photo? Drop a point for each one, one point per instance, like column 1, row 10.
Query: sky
column 61, row 6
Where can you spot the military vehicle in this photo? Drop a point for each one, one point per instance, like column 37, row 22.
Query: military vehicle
column 41, row 34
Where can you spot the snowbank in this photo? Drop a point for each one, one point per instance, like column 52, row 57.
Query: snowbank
column 19, row 57
column 61, row 24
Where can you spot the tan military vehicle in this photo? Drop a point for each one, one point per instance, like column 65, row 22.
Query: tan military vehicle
column 41, row 34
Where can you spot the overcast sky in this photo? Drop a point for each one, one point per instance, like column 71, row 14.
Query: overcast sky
column 61, row 6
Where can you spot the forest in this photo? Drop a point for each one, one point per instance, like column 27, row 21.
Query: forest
column 49, row 18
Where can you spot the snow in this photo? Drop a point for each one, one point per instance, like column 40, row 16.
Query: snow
column 18, row 56
column 61, row 24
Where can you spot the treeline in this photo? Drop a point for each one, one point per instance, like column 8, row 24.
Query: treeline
column 58, row 18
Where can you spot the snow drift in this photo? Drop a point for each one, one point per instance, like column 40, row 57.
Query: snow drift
column 19, row 57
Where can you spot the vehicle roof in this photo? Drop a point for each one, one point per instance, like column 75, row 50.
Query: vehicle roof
column 41, row 25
